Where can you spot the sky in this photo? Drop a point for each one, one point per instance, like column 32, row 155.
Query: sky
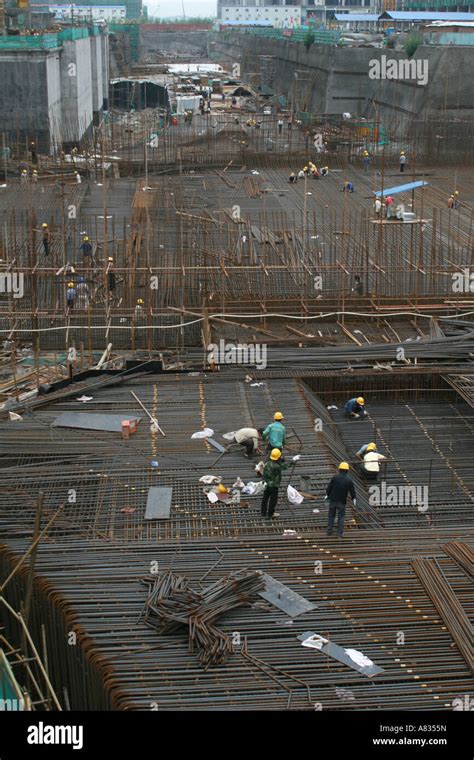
column 173, row 8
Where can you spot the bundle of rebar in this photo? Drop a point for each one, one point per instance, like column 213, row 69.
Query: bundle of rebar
column 172, row 603
column 448, row 606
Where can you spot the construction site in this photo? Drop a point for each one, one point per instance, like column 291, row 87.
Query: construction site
column 163, row 284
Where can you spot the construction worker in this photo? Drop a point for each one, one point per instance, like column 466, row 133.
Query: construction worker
column 389, row 202
column 86, row 249
column 272, row 477
column 451, row 201
column 70, row 295
column 355, row 408
column 275, row 432
column 82, row 294
column 324, row 171
column 78, row 178
column 301, row 174
column 111, row 282
column 371, row 467
column 46, row 238
column 456, row 199
column 24, row 177
column 347, row 187
column 248, row 438
column 280, row 126
column 357, row 288
column 336, row 494
column 364, row 449
column 34, row 176
column 34, row 152
column 366, row 161
column 292, row 178
column 402, row 160
column 139, row 308
column 377, row 207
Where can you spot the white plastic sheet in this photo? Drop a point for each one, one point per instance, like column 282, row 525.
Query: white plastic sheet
column 206, row 433
column 294, row 497
column 359, row 658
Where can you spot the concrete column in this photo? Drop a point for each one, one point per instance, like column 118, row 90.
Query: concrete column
column 76, row 89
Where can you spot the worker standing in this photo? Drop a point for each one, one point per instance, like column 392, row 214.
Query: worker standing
column 355, row 408
column 70, row 295
column 280, row 126
column 139, row 309
column 86, row 250
column 78, row 178
column 24, row 177
column 275, row 433
column 248, row 438
column 272, row 477
column 403, row 160
column 82, row 294
column 46, row 238
column 34, row 176
column 377, row 207
column 389, row 206
column 366, row 161
column 336, row 494
column 371, row 467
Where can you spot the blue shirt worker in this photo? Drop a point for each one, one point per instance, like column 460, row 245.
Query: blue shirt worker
column 70, row 295
column 364, row 449
column 275, row 432
column 336, row 493
column 355, row 408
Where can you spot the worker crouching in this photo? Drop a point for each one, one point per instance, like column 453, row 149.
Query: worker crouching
column 355, row 408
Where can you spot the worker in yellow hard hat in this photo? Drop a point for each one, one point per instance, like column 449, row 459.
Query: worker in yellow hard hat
column 46, row 238
column 275, row 432
column 355, row 408
column 403, row 160
column 366, row 161
column 272, row 473
column 70, row 295
column 364, row 449
column 336, row 494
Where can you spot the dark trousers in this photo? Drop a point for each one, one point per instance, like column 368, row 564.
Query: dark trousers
column 369, row 475
column 269, row 501
column 402, row 167
column 336, row 507
column 248, row 444
column 46, row 247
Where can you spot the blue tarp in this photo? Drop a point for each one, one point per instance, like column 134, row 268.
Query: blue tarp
column 401, row 188
column 356, row 16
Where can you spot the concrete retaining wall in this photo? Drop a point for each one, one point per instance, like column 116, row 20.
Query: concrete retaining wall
column 338, row 78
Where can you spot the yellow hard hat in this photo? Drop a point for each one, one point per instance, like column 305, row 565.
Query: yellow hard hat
column 110, row 258
column 44, row 224
column 343, row 466
column 86, row 237
column 305, row 169
column 221, row 488
column 70, row 284
column 278, row 416
column 276, row 454
column 371, row 447
column 402, row 152
column 360, row 400
column 34, row 171
column 140, row 301
column 456, row 192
